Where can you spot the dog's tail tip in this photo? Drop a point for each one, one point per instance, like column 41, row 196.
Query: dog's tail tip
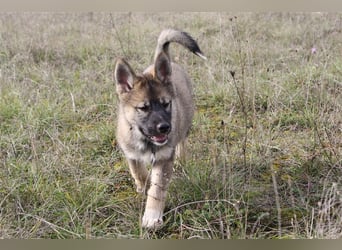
column 200, row 54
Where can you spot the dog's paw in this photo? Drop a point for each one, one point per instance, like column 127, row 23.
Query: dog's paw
column 152, row 219
column 140, row 189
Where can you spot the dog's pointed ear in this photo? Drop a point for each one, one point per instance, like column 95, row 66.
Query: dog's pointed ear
column 162, row 67
column 124, row 76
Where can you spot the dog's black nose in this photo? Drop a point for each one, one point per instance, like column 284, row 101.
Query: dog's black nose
column 163, row 128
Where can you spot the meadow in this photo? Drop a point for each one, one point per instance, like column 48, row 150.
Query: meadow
column 264, row 157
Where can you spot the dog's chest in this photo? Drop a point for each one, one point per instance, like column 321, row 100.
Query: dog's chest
column 149, row 155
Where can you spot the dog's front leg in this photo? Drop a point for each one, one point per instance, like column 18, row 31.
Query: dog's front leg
column 140, row 174
column 156, row 195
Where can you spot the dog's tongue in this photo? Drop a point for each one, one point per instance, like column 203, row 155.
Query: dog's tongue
column 159, row 138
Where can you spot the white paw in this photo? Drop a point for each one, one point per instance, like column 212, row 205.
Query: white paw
column 140, row 189
column 152, row 219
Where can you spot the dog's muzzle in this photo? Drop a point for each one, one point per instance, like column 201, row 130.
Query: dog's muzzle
column 160, row 136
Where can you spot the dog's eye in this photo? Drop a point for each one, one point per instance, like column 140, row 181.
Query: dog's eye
column 166, row 104
column 143, row 108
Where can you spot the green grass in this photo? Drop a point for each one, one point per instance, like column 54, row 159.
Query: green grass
column 264, row 155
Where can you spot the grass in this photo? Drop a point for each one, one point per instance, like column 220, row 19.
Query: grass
column 264, row 157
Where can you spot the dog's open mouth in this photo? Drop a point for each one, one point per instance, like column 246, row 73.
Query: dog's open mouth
column 159, row 139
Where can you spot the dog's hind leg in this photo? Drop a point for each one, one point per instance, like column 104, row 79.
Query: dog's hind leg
column 181, row 151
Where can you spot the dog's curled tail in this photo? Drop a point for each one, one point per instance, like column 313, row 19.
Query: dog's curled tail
column 170, row 35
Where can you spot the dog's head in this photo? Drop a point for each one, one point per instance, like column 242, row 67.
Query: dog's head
column 146, row 99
